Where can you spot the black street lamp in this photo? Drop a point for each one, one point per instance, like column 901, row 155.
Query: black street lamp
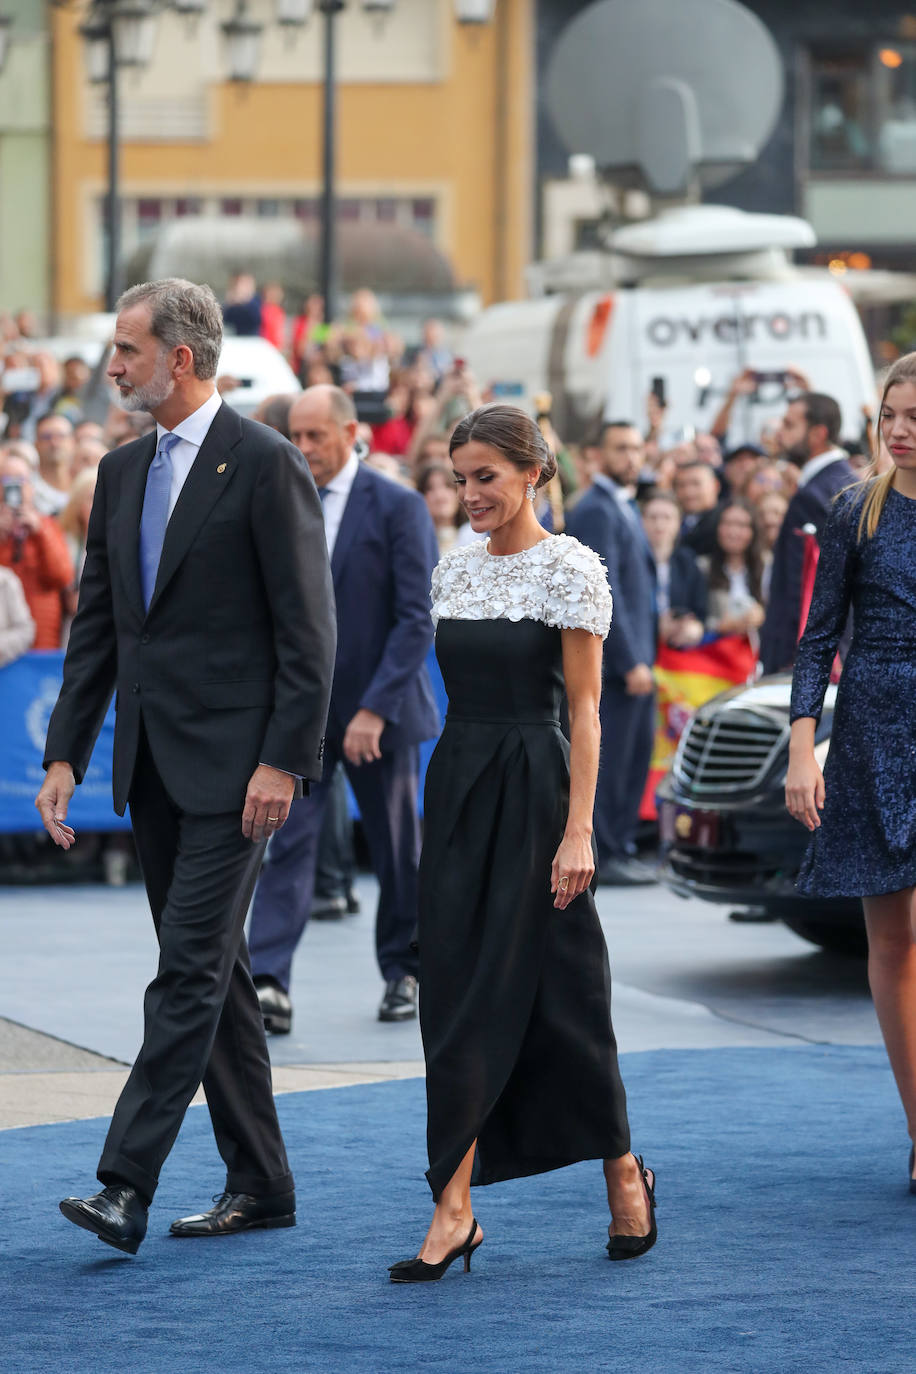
column 5, row 23
column 242, row 37
column 117, row 33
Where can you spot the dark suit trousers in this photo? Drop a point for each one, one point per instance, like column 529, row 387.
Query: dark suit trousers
column 627, row 735
column 386, row 792
column 202, row 1022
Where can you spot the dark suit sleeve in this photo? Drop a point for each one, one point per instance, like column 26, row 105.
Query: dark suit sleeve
column 833, row 585
column 595, row 528
column 90, row 665
column 779, row 632
column 698, row 593
column 289, row 536
column 688, row 583
column 413, row 552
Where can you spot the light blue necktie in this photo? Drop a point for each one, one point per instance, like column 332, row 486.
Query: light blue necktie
column 155, row 515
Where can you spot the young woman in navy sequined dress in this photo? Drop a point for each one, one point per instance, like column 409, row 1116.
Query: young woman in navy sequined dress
column 862, row 810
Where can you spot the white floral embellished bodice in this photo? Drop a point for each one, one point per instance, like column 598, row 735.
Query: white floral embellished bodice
column 558, row 581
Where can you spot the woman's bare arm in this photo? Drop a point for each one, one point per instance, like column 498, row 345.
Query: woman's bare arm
column 582, row 654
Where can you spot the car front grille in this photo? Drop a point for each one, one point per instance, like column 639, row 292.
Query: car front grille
column 729, row 750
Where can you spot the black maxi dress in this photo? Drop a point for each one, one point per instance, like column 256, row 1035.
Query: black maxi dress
column 514, row 994
column 866, row 843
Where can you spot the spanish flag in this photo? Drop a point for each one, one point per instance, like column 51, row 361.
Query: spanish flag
column 685, row 679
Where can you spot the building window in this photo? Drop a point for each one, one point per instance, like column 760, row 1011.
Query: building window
column 149, row 217
column 896, row 102
column 840, row 116
column 863, row 109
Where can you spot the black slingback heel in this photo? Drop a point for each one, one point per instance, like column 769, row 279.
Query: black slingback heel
column 418, row 1271
column 629, row 1247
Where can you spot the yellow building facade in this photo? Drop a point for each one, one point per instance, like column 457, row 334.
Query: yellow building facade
column 435, row 132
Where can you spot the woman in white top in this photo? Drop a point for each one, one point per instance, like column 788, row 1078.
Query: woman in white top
column 522, row 1073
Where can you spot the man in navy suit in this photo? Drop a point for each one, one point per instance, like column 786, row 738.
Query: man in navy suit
column 382, row 545
column 607, row 520
column 809, row 434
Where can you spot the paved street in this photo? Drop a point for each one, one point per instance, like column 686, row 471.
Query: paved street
column 74, row 963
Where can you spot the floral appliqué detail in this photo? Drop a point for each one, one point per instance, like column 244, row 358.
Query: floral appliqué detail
column 558, row 581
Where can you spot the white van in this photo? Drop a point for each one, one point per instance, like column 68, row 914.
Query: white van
column 599, row 354
column 710, row 291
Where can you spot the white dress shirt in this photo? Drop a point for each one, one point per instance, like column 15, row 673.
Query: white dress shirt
column 816, row 465
column 191, row 433
column 335, row 496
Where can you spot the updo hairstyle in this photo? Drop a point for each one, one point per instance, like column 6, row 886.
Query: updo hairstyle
column 512, row 433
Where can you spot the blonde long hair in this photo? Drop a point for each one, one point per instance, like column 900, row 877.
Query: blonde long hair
column 878, row 484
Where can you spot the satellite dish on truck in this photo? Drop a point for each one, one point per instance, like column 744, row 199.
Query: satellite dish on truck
column 665, row 94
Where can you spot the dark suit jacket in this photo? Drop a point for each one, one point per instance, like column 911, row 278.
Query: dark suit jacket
column 687, row 590
column 232, row 665
column 382, row 565
column 598, row 521
column 701, row 538
column 809, row 506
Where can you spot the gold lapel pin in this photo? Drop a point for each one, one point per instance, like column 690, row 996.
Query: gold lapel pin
column 221, row 468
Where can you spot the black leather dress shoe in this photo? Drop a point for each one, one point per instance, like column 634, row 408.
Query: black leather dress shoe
column 329, row 909
column 276, row 1008
column 117, row 1215
column 626, row 873
column 400, row 1000
column 239, row 1212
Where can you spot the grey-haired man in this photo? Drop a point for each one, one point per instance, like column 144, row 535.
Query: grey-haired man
column 206, row 602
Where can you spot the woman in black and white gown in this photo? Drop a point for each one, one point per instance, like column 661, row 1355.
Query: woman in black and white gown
column 522, row 1073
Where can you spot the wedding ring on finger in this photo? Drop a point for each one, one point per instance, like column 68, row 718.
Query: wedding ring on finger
column 273, row 820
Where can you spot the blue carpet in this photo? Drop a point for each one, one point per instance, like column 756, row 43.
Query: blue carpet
column 787, row 1242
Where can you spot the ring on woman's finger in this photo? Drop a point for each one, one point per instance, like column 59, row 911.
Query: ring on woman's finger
column 563, row 883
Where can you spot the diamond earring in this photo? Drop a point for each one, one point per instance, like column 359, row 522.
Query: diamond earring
column 530, row 492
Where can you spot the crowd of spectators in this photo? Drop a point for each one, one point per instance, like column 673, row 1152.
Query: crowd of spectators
column 710, row 511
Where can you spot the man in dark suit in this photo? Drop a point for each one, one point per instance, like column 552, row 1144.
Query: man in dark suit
column 809, row 435
column 206, row 601
column 699, row 495
column 382, row 545
column 606, row 519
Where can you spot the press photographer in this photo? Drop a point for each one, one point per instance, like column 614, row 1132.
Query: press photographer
column 33, row 546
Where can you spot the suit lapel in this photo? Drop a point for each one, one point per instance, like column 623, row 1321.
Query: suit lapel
column 128, row 524
column 210, row 474
column 353, row 516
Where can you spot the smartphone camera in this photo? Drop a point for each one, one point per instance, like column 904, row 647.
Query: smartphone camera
column 12, row 495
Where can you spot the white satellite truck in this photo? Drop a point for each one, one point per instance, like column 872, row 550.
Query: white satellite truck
column 670, row 97
column 680, row 305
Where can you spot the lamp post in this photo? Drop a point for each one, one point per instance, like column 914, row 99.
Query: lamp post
column 5, row 23
column 242, row 35
column 117, row 33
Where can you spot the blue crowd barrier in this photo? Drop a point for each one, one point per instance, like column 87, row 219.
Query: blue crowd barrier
column 28, row 691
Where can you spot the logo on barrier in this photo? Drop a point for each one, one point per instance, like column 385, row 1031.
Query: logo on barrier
column 38, row 712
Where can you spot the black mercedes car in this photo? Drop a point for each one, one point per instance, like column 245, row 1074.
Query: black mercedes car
column 725, row 833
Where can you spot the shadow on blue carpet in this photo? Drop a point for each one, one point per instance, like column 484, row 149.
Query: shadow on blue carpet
column 787, row 1241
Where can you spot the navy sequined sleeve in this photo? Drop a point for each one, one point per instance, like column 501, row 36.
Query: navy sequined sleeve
column 829, row 607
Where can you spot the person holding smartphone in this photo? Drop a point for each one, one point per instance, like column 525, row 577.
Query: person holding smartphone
column 33, row 546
